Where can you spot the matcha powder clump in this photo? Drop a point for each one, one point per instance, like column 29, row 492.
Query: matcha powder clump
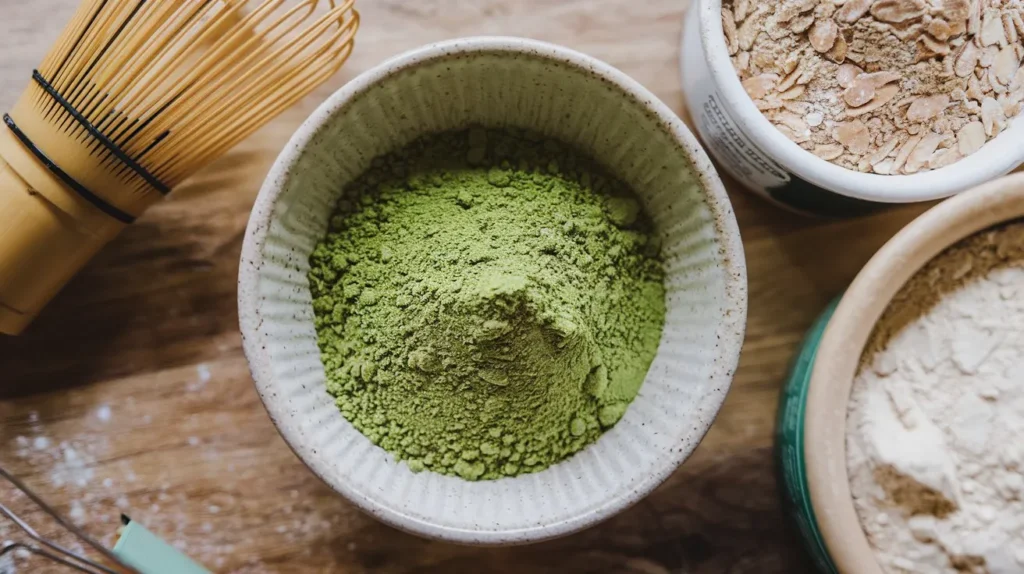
column 487, row 303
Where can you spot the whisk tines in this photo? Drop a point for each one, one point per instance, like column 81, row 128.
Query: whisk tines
column 135, row 96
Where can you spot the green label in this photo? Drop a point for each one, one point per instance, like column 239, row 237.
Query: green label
column 789, row 445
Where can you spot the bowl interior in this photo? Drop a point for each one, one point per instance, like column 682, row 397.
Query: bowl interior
column 495, row 83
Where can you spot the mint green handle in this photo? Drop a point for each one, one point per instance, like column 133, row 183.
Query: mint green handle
column 145, row 552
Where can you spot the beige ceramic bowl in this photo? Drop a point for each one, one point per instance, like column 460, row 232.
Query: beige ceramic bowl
column 844, row 340
column 563, row 94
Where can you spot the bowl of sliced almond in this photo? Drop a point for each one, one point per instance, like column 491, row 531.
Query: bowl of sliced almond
column 840, row 108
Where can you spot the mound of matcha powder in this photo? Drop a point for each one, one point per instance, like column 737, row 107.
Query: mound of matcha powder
column 487, row 303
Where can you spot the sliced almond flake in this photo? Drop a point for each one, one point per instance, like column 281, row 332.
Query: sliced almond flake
column 944, row 157
column 768, row 103
column 929, row 47
column 839, row 50
column 922, row 152
column 883, row 96
column 823, row 35
column 801, row 24
column 957, row 28
column 1018, row 80
column 791, row 63
column 847, row 74
column 992, row 33
column 729, row 28
column 884, row 151
column 974, row 20
column 974, row 90
column 1011, row 98
column 793, row 93
column 949, row 62
column 884, row 167
column 860, row 92
column 760, row 86
column 997, row 86
column 789, row 81
column 1009, row 30
column 927, row 107
column 898, row 11
column 967, row 61
column 805, row 76
column 939, row 29
column 879, row 79
column 740, row 9
column 793, row 122
column 992, row 116
column 970, row 138
column 988, row 56
column 1012, row 108
column 1018, row 22
column 984, row 82
column 793, row 136
column 907, row 31
column 791, row 10
column 748, row 31
column 828, row 152
column 800, row 108
column 952, row 10
column 1006, row 65
column 743, row 61
column 854, row 136
column 904, row 153
column 853, row 10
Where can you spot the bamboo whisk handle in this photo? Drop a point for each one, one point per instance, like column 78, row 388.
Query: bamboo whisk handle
column 41, row 247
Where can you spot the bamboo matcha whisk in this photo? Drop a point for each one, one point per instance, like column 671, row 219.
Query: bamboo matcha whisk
column 134, row 97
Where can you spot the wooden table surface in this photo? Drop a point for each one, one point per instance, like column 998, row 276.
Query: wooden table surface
column 131, row 393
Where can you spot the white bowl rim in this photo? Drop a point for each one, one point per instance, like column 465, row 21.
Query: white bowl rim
column 998, row 157
column 731, row 329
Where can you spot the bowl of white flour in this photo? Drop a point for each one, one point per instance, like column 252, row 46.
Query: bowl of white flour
column 899, row 436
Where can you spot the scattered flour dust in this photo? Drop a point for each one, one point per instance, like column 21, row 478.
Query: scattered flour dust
column 934, row 430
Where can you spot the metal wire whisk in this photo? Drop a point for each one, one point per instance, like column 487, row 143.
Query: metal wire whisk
column 44, row 547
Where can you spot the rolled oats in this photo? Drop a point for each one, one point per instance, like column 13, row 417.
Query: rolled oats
column 883, row 86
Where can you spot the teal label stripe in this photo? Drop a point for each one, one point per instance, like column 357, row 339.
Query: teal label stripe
column 789, row 445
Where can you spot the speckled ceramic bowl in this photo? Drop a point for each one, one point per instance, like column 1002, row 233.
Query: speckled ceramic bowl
column 568, row 96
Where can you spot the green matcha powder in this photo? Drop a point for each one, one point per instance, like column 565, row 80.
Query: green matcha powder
column 487, row 302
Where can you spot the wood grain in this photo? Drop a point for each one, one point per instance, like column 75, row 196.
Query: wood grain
column 131, row 393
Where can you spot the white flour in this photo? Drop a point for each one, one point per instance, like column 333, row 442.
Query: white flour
column 935, row 429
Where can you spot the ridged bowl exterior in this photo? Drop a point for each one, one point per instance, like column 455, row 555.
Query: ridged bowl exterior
column 498, row 82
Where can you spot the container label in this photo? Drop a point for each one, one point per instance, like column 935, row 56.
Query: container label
column 740, row 157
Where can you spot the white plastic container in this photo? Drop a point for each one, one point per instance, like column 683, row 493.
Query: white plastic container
column 747, row 146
